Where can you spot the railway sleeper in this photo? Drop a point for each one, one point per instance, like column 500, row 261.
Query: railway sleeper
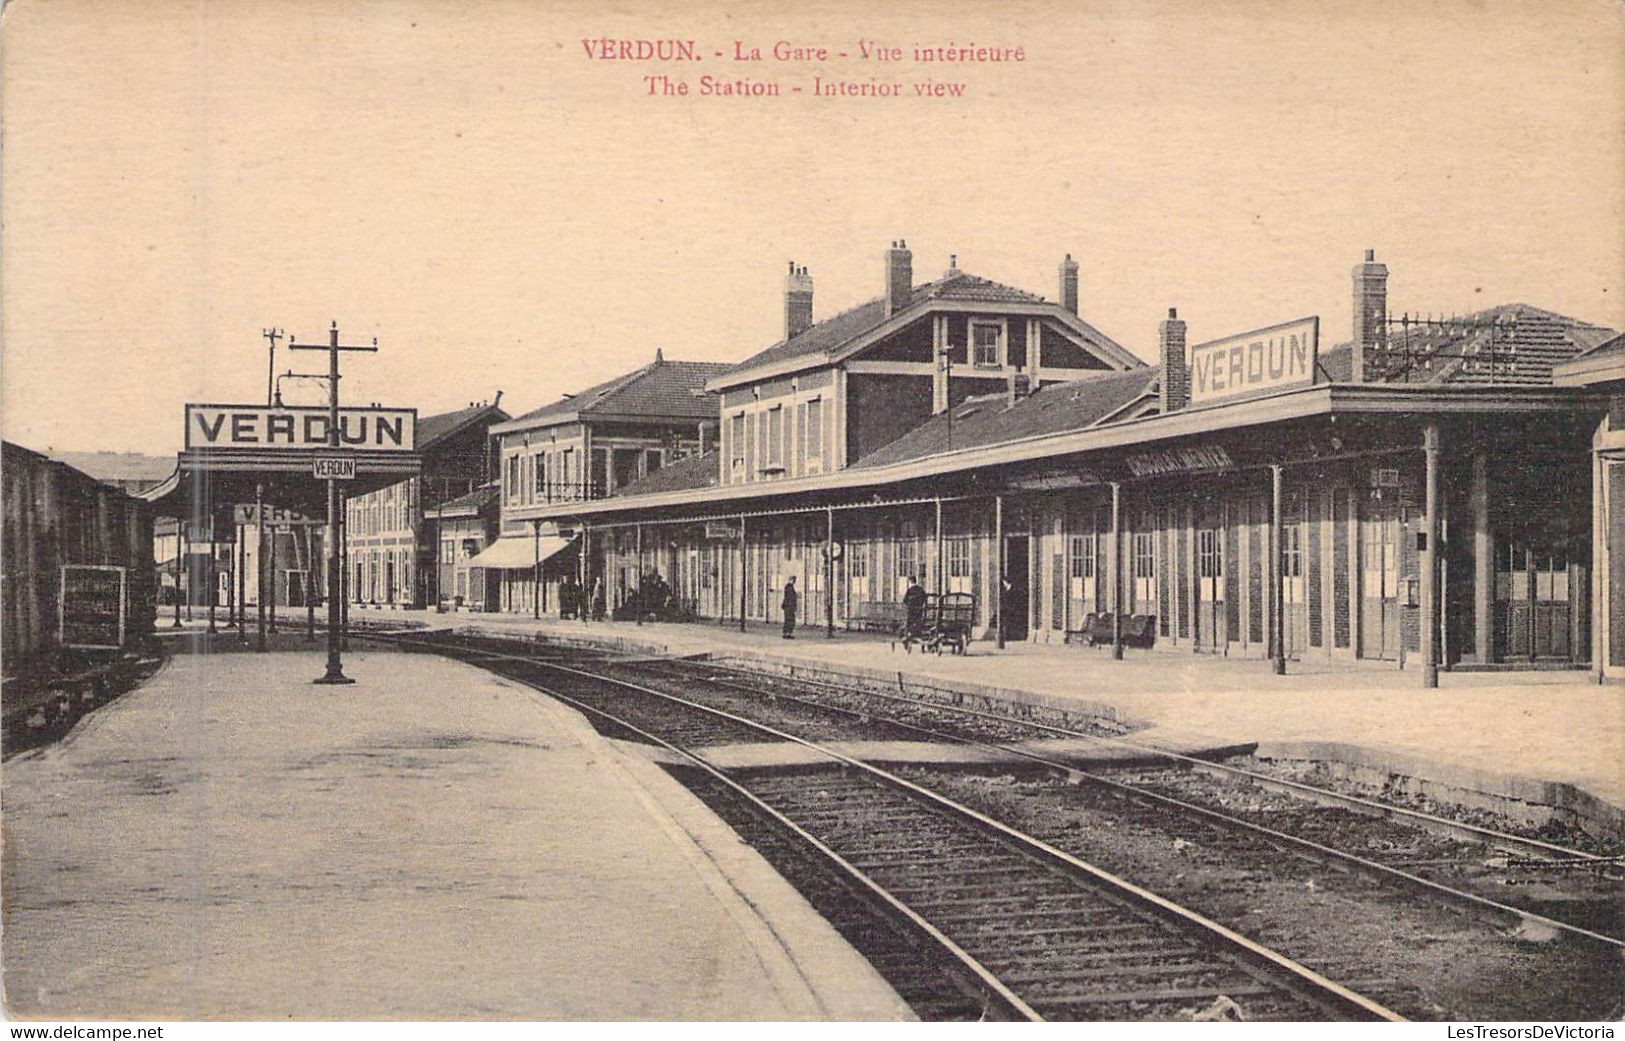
column 1182, row 971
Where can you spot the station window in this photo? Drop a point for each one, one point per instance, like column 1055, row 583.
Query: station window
column 1291, row 551
column 1083, row 556
column 958, row 551
column 815, row 435
column 1209, row 554
column 736, row 445
column 448, row 552
column 858, row 561
column 775, row 436
column 985, row 341
column 1145, row 564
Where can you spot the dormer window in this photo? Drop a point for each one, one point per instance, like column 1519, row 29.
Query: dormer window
column 985, row 345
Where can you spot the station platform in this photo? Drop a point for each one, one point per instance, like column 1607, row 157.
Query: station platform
column 232, row 842
column 1530, row 743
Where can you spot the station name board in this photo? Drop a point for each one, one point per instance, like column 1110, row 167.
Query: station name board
column 247, row 513
column 255, row 427
column 1278, row 357
column 1195, row 459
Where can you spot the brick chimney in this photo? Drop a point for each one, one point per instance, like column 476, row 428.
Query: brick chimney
column 1069, row 284
column 798, row 296
column 1176, row 373
column 1370, row 310
column 899, row 277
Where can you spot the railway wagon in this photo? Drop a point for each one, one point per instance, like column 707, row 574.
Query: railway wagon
column 55, row 515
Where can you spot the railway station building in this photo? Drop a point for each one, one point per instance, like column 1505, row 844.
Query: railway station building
column 582, row 448
column 1421, row 495
column 393, row 539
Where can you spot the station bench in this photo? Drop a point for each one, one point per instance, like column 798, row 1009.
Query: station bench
column 1138, row 630
column 878, row 616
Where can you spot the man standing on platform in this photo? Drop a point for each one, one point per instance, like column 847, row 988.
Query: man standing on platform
column 914, row 607
column 792, row 601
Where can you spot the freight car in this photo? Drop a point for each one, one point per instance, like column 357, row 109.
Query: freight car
column 57, row 518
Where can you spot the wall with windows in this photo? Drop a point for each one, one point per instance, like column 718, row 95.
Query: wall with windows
column 381, row 538
column 780, row 428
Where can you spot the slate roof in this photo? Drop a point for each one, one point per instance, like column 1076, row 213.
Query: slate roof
column 827, row 336
column 660, row 390
column 1613, row 347
column 688, row 474
column 437, row 428
column 468, row 505
column 1528, row 342
column 119, row 467
column 989, row 419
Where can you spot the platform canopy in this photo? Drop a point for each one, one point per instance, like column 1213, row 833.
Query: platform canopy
column 513, row 552
column 232, row 451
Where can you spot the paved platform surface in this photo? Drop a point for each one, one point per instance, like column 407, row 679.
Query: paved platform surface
column 1481, row 728
column 232, row 842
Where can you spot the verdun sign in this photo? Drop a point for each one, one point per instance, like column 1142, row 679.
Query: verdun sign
column 236, row 427
column 1277, row 357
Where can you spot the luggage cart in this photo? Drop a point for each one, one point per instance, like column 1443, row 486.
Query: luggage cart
column 946, row 622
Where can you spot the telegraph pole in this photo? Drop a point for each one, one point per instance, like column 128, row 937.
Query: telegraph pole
column 335, row 665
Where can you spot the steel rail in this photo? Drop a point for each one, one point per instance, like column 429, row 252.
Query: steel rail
column 1319, row 987
column 1308, row 845
column 983, row 976
column 1486, row 836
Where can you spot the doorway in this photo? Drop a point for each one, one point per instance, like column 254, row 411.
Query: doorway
column 1294, row 598
column 1379, row 582
column 1014, row 595
column 1210, row 614
column 1536, row 592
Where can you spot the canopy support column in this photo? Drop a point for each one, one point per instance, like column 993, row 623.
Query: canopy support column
column 829, row 572
column 1277, row 600
column 998, row 568
column 1116, row 571
column 1429, row 562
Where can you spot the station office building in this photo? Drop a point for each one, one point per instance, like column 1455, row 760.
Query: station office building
column 1421, row 495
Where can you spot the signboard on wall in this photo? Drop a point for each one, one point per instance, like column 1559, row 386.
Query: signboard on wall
column 255, row 427
column 1275, row 358
column 90, row 610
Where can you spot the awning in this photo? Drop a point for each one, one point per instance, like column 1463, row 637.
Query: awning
column 520, row 551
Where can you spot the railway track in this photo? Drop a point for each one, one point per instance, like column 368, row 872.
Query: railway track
column 1019, row 927
column 1308, row 830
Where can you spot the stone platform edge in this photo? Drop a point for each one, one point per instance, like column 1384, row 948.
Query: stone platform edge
column 1529, row 801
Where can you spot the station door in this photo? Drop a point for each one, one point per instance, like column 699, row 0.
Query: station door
column 1535, row 599
column 1015, row 600
column 1380, row 594
column 1210, row 563
column 1294, row 595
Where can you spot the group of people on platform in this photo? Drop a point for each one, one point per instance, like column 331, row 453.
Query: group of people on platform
column 653, row 600
column 574, row 603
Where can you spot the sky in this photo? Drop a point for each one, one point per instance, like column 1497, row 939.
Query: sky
column 505, row 213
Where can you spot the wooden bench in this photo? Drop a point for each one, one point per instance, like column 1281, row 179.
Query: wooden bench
column 1138, row 630
column 878, row 616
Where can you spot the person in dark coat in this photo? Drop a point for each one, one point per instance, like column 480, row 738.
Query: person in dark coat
column 914, row 606
column 792, row 602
